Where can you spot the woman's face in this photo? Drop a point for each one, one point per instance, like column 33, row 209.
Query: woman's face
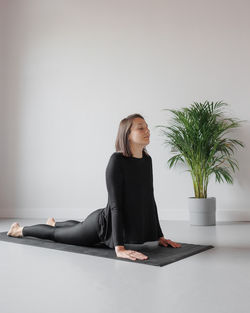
column 139, row 132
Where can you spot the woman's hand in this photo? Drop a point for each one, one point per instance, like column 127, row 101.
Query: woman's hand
column 130, row 254
column 165, row 242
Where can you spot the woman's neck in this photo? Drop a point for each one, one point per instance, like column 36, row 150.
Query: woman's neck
column 137, row 151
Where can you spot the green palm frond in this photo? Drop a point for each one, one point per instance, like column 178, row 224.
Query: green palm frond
column 197, row 135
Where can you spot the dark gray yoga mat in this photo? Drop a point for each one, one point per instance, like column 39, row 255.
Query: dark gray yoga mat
column 157, row 255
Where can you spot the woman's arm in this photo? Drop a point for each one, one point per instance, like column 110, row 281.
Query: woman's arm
column 160, row 233
column 114, row 181
column 162, row 241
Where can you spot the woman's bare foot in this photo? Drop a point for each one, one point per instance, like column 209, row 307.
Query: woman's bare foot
column 15, row 230
column 51, row 221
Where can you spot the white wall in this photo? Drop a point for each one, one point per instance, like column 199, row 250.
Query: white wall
column 3, row 139
column 75, row 68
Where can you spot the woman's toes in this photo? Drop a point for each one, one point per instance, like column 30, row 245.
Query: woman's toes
column 13, row 229
column 51, row 221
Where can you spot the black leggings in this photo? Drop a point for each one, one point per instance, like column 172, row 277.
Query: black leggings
column 70, row 232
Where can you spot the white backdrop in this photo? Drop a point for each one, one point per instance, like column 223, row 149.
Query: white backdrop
column 73, row 69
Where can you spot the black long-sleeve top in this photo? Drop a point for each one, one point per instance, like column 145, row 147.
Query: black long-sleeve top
column 131, row 212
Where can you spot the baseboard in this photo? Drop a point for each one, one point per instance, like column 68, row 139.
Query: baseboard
column 81, row 214
column 57, row 213
column 221, row 215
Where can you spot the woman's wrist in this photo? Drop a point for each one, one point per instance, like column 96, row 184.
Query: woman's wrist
column 119, row 248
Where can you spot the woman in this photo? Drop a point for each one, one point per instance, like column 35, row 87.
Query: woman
column 131, row 213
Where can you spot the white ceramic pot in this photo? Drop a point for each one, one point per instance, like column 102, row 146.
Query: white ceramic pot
column 202, row 211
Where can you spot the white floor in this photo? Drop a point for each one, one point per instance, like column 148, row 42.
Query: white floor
column 34, row 280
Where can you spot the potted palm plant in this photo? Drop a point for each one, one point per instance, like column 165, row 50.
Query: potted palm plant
column 198, row 138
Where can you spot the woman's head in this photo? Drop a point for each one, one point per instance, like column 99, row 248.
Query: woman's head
column 133, row 130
